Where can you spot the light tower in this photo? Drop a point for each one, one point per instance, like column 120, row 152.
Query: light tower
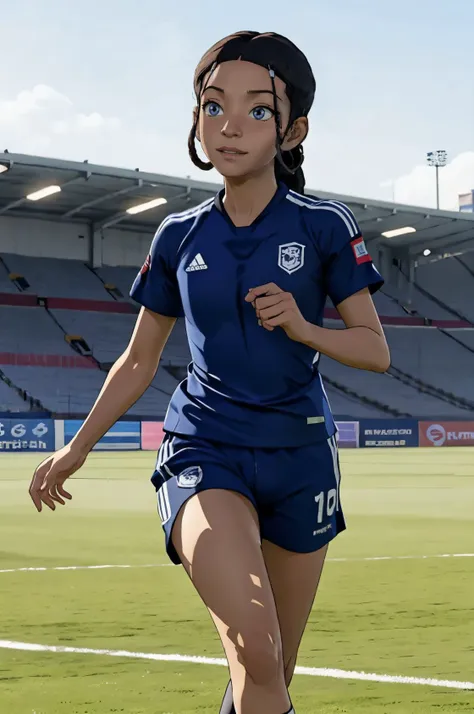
column 437, row 159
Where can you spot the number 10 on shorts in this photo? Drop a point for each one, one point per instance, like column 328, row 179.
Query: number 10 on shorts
column 326, row 502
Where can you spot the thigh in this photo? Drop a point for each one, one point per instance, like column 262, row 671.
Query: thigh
column 294, row 578
column 217, row 538
column 187, row 466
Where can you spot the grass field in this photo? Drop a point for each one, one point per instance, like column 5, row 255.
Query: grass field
column 400, row 616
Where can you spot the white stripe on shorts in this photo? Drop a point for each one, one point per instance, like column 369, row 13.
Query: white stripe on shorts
column 159, row 503
column 164, row 508
column 335, row 460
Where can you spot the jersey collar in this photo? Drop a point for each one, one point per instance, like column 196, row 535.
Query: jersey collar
column 278, row 197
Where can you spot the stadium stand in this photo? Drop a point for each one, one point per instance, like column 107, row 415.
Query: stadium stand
column 401, row 399
column 122, row 278
column 64, row 321
column 30, row 329
column 450, row 282
column 427, row 353
column 386, row 305
column 53, row 276
column 10, row 400
column 465, row 337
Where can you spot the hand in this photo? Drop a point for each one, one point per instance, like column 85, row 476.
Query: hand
column 47, row 482
column 276, row 308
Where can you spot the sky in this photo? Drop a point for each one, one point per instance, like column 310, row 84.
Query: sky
column 111, row 81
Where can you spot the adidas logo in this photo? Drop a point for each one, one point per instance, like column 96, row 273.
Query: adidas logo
column 196, row 264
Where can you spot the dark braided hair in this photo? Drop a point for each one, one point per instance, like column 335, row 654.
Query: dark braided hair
column 282, row 59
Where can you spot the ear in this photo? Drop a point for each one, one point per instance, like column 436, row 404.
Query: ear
column 297, row 134
column 195, row 119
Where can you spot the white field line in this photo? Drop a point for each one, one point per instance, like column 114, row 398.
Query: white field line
column 83, row 567
column 168, row 565
column 308, row 671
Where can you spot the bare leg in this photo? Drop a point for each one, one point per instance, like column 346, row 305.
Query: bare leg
column 294, row 578
column 217, row 537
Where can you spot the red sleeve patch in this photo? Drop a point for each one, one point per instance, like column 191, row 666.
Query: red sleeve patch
column 360, row 251
column 146, row 265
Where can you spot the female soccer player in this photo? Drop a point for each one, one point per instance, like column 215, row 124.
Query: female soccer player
column 247, row 477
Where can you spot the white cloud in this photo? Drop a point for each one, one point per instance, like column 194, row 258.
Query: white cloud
column 32, row 102
column 84, row 123
column 96, row 121
column 44, row 122
column 36, row 117
column 419, row 186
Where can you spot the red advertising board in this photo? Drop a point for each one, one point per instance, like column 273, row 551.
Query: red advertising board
column 152, row 435
column 446, row 433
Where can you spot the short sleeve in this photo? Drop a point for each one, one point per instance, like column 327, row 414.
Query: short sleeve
column 348, row 265
column 156, row 285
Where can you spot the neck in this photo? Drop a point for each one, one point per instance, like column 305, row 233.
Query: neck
column 247, row 196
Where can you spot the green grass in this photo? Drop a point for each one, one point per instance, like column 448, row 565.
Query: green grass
column 399, row 617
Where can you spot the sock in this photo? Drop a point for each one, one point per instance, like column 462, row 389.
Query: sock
column 227, row 706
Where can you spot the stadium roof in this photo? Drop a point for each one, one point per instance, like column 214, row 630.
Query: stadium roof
column 101, row 195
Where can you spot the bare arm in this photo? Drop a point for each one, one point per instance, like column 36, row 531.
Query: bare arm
column 362, row 344
column 128, row 379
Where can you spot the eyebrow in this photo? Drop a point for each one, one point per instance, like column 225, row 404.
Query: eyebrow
column 249, row 91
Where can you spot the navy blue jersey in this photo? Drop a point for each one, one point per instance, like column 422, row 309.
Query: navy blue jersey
column 246, row 385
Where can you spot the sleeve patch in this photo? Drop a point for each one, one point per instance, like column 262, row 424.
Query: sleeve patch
column 146, row 265
column 360, row 251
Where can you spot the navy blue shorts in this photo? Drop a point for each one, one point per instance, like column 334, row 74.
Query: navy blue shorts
column 295, row 491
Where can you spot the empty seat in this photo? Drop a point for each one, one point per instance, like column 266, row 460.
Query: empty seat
column 30, row 330
column 55, row 277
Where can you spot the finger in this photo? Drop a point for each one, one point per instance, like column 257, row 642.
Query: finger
column 46, row 497
column 37, row 481
column 63, row 492
column 271, row 312
column 267, row 289
column 53, row 492
column 270, row 300
column 40, row 472
column 278, row 320
column 56, row 495
column 35, row 497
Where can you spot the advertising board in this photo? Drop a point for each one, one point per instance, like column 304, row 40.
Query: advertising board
column 388, row 433
column 152, row 435
column 446, row 433
column 26, row 435
column 347, row 434
column 122, row 436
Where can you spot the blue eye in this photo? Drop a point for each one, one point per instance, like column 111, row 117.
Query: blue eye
column 262, row 113
column 212, row 109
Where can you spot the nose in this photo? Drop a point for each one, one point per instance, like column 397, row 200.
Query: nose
column 231, row 128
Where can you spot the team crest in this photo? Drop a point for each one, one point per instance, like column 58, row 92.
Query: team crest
column 291, row 257
column 190, row 477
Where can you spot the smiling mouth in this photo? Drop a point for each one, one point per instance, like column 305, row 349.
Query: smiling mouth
column 231, row 152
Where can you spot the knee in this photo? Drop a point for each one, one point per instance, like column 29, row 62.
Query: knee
column 261, row 656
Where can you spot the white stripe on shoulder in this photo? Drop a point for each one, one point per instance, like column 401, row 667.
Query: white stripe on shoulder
column 186, row 215
column 348, row 213
column 304, row 198
column 341, row 205
column 326, row 206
